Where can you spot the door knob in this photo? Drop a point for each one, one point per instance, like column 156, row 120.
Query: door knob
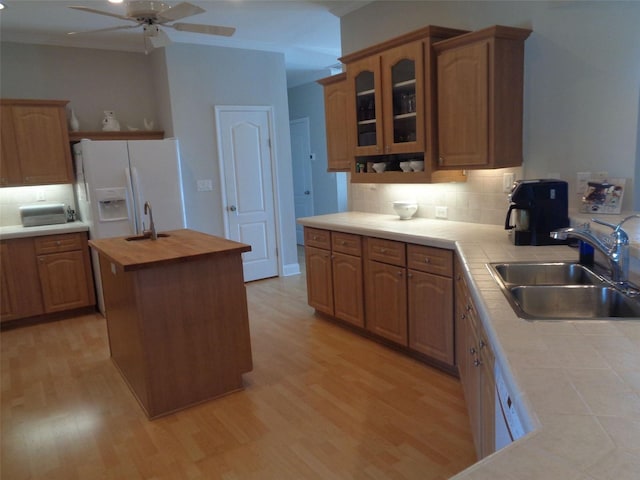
column 307, row 192
column 232, row 208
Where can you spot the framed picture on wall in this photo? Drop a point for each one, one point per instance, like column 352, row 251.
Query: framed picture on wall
column 603, row 196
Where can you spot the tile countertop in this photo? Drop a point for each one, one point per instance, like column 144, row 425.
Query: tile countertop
column 576, row 383
column 18, row 231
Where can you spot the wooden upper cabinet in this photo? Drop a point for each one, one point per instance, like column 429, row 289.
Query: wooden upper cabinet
column 10, row 172
column 403, row 98
column 387, row 99
column 339, row 151
column 366, row 115
column 480, row 77
column 37, row 143
column 391, row 108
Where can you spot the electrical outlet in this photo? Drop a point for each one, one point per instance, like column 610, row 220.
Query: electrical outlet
column 507, row 181
column 40, row 196
column 441, row 212
column 582, row 181
column 600, row 176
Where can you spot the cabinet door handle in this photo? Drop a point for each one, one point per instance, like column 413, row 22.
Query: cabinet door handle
column 58, row 243
column 477, row 363
column 410, row 275
column 440, row 160
column 472, row 350
column 383, row 250
column 427, row 260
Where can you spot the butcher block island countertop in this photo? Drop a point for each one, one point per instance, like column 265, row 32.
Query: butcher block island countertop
column 177, row 317
column 177, row 246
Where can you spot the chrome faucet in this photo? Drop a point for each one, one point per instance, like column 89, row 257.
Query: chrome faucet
column 614, row 246
column 152, row 227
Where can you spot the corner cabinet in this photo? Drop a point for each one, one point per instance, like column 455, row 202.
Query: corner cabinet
column 35, row 143
column 480, row 79
column 339, row 148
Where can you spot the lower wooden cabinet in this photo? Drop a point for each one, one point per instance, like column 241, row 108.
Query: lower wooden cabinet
column 21, row 296
column 319, row 279
column 399, row 292
column 476, row 362
column 334, row 274
column 386, row 300
column 348, row 289
column 45, row 274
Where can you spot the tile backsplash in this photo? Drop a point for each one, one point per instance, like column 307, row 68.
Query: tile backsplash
column 12, row 198
column 480, row 199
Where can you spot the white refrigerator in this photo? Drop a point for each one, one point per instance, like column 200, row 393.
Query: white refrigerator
column 115, row 178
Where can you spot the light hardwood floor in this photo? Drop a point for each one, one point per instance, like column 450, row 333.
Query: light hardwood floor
column 321, row 403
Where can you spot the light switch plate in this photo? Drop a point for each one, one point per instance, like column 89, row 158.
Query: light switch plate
column 205, row 185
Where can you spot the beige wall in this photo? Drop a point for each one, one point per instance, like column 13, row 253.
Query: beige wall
column 92, row 80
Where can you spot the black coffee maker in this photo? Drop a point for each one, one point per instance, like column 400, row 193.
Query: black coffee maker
column 537, row 207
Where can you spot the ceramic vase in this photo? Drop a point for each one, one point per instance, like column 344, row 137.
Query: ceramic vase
column 74, row 124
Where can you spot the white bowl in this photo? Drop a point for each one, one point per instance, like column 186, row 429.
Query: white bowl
column 417, row 165
column 405, row 166
column 405, row 209
column 380, row 167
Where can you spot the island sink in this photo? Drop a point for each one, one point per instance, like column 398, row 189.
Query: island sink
column 145, row 237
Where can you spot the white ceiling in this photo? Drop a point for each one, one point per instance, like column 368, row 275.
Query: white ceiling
column 306, row 31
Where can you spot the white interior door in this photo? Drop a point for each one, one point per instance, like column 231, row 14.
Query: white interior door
column 244, row 137
column 302, row 181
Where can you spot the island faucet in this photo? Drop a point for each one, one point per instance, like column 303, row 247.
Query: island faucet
column 152, row 227
column 614, row 246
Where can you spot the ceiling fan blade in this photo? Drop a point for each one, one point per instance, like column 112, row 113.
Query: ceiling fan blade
column 160, row 39
column 207, row 29
column 109, row 29
column 101, row 12
column 179, row 11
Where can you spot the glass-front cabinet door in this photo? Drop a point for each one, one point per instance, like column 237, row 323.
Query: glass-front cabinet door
column 364, row 76
column 403, row 84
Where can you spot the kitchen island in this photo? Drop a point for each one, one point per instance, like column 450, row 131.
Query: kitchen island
column 574, row 383
column 177, row 316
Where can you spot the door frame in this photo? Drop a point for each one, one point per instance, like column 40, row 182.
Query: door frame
column 219, row 109
column 306, row 122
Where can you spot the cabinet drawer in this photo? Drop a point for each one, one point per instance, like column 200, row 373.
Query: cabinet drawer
column 314, row 237
column 60, row 243
column 430, row 260
column 387, row 251
column 346, row 243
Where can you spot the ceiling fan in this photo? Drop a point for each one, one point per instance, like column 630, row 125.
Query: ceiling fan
column 151, row 14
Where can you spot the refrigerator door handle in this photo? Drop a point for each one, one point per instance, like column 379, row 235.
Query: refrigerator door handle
column 138, row 200
column 133, row 214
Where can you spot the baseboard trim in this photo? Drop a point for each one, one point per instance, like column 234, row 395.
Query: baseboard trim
column 291, row 269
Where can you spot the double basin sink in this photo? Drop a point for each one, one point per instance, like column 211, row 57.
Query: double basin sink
column 561, row 291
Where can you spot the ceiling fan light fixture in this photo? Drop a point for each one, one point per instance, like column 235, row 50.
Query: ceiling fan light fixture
column 151, row 30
